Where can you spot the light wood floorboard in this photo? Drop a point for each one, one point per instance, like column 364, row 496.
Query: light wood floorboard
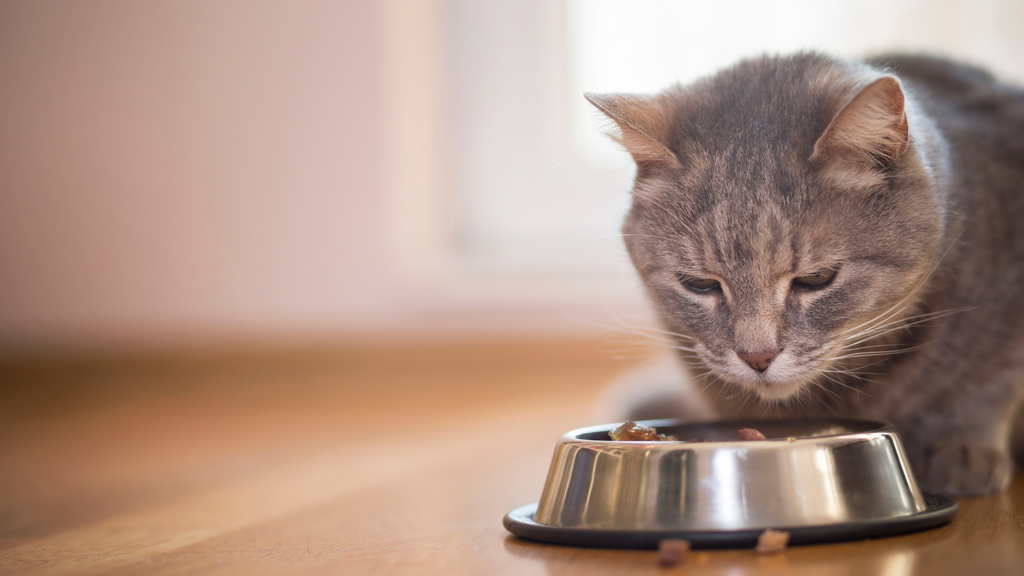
column 367, row 460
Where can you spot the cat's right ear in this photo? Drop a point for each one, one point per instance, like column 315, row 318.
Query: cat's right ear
column 644, row 124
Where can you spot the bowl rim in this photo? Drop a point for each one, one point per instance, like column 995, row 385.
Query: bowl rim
column 864, row 429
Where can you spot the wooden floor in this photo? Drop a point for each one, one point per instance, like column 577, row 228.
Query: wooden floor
column 386, row 460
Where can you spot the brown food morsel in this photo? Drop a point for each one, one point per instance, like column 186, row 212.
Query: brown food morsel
column 771, row 541
column 633, row 432
column 751, row 434
column 671, row 551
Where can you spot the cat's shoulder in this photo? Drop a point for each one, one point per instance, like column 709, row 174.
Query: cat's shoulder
column 940, row 71
column 948, row 79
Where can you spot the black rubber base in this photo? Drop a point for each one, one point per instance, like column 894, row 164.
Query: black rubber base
column 520, row 522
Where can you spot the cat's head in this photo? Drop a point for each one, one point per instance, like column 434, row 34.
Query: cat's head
column 780, row 208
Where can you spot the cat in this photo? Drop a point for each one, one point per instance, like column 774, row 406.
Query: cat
column 827, row 238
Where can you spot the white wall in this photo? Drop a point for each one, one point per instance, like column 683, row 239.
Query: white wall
column 188, row 169
column 215, row 171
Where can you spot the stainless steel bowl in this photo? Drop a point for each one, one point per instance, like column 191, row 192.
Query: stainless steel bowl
column 809, row 473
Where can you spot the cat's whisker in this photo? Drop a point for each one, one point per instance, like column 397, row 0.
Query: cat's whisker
column 863, row 347
column 661, row 331
column 911, row 324
column 703, row 374
column 877, row 327
column 859, row 375
column 886, row 332
column 843, row 371
column 806, row 399
column 874, row 322
column 876, row 332
column 709, row 384
column 940, row 313
column 683, row 348
column 832, row 368
column 663, row 338
column 875, row 363
column 721, row 390
column 747, row 394
column 879, row 353
column 912, row 321
column 834, row 381
column 642, row 331
column 654, row 334
column 878, row 323
column 825, row 389
column 919, row 285
column 881, row 349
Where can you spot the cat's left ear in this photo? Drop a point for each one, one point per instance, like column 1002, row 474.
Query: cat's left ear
column 644, row 126
column 871, row 130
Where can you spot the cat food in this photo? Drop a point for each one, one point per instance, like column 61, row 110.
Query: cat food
column 633, row 432
column 772, row 541
column 751, row 434
column 671, row 551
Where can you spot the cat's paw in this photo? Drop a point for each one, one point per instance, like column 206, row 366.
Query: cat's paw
column 962, row 469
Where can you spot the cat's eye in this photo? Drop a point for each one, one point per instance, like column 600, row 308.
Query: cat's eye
column 699, row 285
column 817, row 279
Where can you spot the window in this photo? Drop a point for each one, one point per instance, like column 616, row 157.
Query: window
column 534, row 192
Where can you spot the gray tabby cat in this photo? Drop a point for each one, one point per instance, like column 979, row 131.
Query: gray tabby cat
column 831, row 238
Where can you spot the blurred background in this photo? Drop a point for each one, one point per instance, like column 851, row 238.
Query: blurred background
column 263, row 262
column 240, row 172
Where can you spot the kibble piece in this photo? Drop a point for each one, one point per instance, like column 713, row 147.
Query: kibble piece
column 751, row 434
column 633, row 432
column 771, row 541
column 671, row 551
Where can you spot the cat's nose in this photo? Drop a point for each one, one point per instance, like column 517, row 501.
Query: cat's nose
column 758, row 361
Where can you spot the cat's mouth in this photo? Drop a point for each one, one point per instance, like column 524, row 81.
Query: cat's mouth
column 785, row 376
column 780, row 380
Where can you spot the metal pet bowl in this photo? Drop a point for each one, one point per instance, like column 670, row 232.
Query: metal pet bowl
column 820, row 480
